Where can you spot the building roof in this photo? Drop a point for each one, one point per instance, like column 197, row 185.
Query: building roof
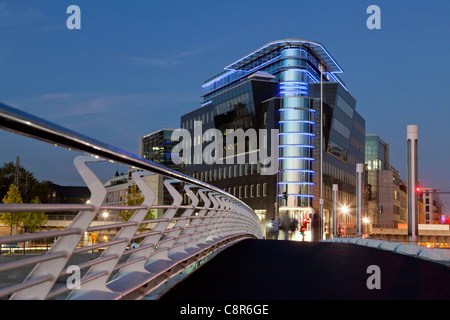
column 317, row 48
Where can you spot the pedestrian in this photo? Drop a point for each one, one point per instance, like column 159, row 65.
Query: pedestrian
column 276, row 226
column 285, row 225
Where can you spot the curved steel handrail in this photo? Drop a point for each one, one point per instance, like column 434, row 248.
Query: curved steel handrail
column 25, row 124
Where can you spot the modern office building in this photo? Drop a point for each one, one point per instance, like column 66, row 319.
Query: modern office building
column 157, row 147
column 276, row 90
column 385, row 192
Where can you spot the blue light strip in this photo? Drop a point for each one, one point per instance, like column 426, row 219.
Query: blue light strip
column 290, row 109
column 298, row 195
column 297, row 145
column 298, row 182
column 300, row 170
column 298, row 158
column 300, row 133
column 337, row 80
column 300, row 121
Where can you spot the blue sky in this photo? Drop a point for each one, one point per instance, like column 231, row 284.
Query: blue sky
column 137, row 66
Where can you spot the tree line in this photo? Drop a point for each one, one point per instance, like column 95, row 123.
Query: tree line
column 18, row 185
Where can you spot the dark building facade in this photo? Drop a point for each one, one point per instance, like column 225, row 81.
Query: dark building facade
column 157, row 147
column 276, row 90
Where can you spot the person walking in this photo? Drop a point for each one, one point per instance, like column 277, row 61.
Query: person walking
column 276, row 226
column 285, row 225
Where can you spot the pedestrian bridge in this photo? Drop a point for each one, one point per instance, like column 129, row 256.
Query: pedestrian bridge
column 209, row 248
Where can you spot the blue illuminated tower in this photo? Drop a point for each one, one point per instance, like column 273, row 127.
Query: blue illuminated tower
column 296, row 131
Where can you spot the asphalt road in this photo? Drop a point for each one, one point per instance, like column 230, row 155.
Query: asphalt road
column 288, row 270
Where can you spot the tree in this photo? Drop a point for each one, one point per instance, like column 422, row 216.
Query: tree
column 28, row 185
column 34, row 220
column 12, row 219
column 134, row 198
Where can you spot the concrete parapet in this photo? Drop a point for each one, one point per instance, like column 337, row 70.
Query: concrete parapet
column 389, row 245
column 353, row 240
column 409, row 249
column 441, row 255
column 435, row 255
column 362, row 242
column 374, row 243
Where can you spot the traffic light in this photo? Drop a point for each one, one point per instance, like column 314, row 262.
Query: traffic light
column 285, row 195
column 419, row 191
column 304, row 226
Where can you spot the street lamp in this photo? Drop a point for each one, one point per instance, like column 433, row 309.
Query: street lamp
column 365, row 221
column 105, row 215
column 344, row 210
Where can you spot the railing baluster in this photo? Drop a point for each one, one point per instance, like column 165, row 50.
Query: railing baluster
column 68, row 243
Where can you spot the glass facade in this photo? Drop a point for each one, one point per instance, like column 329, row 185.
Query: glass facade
column 157, row 147
column 296, row 132
column 343, row 148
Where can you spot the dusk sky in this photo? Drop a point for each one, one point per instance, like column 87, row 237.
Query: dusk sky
column 136, row 66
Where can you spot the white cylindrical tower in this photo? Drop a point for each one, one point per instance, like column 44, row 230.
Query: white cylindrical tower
column 412, row 163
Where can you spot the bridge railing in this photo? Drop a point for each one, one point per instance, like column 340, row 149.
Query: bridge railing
column 144, row 254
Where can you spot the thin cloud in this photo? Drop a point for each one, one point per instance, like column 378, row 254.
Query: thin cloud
column 15, row 16
column 168, row 62
column 70, row 105
column 162, row 63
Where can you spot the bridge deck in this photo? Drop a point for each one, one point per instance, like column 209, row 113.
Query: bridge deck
column 288, row 270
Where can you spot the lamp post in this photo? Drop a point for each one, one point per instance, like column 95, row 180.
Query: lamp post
column 105, row 215
column 365, row 221
column 335, row 191
column 344, row 210
column 321, row 155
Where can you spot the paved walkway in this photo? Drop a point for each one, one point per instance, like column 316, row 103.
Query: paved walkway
column 289, row 270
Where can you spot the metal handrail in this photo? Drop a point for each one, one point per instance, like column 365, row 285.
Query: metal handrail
column 168, row 246
column 14, row 120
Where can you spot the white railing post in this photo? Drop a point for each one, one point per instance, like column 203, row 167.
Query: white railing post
column 66, row 244
column 101, row 272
